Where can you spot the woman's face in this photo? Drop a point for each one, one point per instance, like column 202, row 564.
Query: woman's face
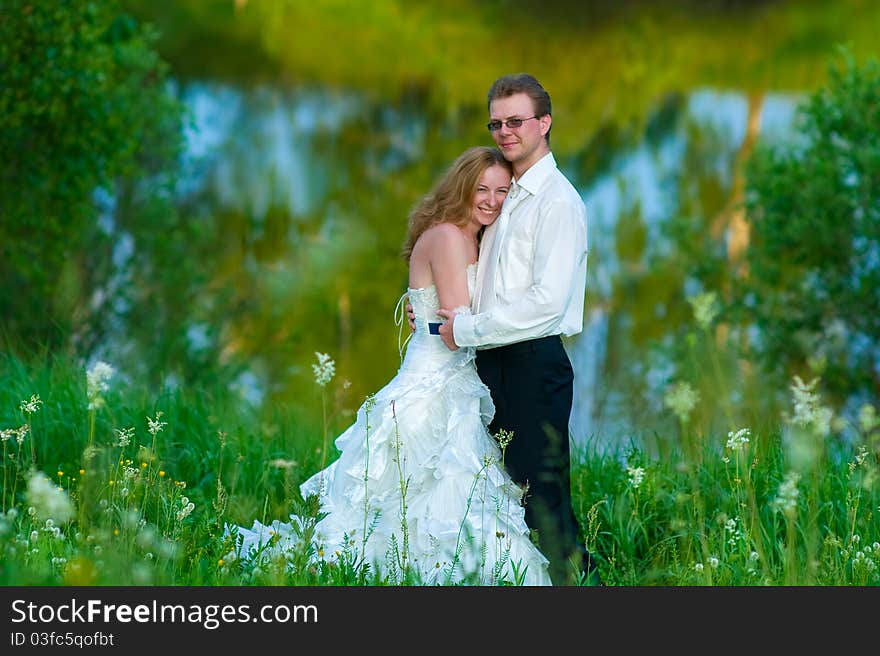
column 490, row 194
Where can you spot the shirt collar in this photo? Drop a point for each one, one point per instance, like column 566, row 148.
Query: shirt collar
column 534, row 178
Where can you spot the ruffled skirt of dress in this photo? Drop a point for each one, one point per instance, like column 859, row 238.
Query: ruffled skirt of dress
column 460, row 519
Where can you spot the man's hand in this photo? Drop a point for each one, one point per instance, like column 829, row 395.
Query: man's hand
column 412, row 317
column 446, row 333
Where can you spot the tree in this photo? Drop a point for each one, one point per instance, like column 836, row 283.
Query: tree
column 86, row 110
column 813, row 286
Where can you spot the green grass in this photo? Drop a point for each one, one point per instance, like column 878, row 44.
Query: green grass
column 723, row 519
column 707, row 514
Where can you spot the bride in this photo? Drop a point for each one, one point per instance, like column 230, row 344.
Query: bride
column 419, row 491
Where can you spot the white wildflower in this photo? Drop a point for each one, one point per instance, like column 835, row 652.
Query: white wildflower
column 281, row 463
column 808, row 410
column 681, row 398
column 713, row 562
column 324, row 370
column 754, row 556
column 698, row 567
column 787, row 496
column 154, row 425
column 504, row 438
column 18, row 433
column 737, row 439
column 705, row 308
column 31, row 406
column 123, row 436
column 636, row 476
column 96, row 383
column 735, row 532
column 861, row 456
column 187, row 507
column 47, row 500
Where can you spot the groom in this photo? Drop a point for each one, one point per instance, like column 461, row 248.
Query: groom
column 531, row 281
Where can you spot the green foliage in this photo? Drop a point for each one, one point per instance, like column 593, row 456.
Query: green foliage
column 211, row 450
column 815, row 237
column 717, row 518
column 713, row 514
column 85, row 109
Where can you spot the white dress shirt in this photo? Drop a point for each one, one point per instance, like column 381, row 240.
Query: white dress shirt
column 532, row 271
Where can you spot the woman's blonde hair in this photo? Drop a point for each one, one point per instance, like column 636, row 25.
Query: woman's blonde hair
column 451, row 198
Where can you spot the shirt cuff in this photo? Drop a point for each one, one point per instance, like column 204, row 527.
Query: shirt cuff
column 463, row 330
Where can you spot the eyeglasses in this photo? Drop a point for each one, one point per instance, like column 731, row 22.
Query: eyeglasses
column 511, row 123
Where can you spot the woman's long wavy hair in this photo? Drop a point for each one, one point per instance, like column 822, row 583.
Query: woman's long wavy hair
column 451, row 199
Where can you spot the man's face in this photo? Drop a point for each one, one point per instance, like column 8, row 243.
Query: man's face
column 524, row 145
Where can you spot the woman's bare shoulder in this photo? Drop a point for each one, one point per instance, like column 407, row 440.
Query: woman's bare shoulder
column 443, row 232
column 442, row 238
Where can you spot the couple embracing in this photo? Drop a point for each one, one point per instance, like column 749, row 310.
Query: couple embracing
column 463, row 457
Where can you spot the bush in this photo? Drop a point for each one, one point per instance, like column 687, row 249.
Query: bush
column 814, row 257
column 85, row 109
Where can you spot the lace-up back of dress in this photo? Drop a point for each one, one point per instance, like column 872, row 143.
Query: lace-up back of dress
column 425, row 303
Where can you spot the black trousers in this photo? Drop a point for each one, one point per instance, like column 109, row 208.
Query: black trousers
column 532, row 386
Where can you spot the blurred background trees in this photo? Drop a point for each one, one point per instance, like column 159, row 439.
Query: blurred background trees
column 89, row 126
column 813, row 205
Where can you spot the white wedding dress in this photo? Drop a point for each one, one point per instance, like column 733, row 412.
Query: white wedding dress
column 424, row 433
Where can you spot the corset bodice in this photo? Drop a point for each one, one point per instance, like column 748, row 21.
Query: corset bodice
column 426, row 350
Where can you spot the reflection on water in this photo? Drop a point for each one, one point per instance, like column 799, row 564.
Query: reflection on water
column 307, row 193
column 256, row 151
column 619, row 395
